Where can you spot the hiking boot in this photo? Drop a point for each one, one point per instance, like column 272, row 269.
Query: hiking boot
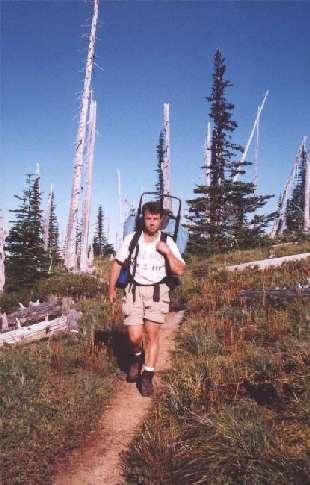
column 147, row 388
column 135, row 366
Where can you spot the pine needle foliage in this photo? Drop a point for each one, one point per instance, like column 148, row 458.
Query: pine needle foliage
column 222, row 216
column 53, row 236
column 296, row 204
column 101, row 245
column 26, row 260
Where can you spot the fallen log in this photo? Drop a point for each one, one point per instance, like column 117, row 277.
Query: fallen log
column 35, row 312
column 275, row 293
column 267, row 263
column 33, row 332
column 37, row 331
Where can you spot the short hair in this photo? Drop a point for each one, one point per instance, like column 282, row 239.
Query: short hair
column 153, row 207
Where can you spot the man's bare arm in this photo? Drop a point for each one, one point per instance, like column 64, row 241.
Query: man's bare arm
column 115, row 271
column 177, row 267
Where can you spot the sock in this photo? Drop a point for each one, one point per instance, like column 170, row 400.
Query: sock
column 149, row 369
column 137, row 354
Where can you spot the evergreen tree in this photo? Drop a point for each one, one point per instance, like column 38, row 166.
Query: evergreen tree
column 26, row 259
column 101, row 245
column 296, row 204
column 53, row 236
column 159, row 170
column 220, row 217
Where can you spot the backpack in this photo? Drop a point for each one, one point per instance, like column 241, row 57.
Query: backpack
column 171, row 227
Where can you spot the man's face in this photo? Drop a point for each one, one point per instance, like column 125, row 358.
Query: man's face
column 151, row 222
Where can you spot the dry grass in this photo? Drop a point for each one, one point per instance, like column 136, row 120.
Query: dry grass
column 243, row 256
column 236, row 406
column 52, row 393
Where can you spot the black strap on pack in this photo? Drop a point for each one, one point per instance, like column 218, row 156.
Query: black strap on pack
column 170, row 279
column 132, row 246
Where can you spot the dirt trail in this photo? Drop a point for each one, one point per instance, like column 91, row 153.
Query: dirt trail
column 99, row 462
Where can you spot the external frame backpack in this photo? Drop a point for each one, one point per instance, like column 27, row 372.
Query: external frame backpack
column 171, row 228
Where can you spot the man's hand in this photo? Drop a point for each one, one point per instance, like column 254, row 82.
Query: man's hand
column 163, row 248
column 177, row 267
column 112, row 295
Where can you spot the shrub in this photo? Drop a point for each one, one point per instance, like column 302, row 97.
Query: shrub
column 69, row 284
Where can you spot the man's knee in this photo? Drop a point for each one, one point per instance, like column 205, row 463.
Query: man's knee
column 152, row 331
column 135, row 335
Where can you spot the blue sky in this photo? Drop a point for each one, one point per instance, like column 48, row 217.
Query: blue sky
column 150, row 53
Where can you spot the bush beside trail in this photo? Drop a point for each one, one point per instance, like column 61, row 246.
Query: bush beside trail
column 235, row 407
column 54, row 391
column 77, row 286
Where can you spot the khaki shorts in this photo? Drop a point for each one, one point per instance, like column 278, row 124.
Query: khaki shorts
column 145, row 308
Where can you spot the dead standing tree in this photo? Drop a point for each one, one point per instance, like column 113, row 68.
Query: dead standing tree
column 2, row 253
column 84, row 262
column 47, row 218
column 70, row 250
column 119, row 234
column 247, row 146
column 279, row 224
column 167, row 203
column 307, row 196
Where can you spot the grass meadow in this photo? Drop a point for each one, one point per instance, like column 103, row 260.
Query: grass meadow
column 53, row 391
column 235, row 407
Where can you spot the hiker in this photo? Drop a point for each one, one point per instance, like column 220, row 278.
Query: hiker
column 146, row 300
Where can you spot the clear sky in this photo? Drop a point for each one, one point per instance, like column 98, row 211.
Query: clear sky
column 149, row 52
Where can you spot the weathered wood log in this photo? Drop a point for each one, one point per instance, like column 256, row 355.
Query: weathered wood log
column 37, row 331
column 166, row 158
column 36, row 312
column 267, row 263
column 89, row 187
column 275, row 294
column 70, row 250
column 5, row 323
column 33, row 332
column 2, row 252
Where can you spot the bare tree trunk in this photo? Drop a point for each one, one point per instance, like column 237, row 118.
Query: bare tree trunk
column 166, row 158
column 70, row 254
column 38, row 170
column 91, row 258
column 255, row 177
column 307, row 196
column 246, row 149
column 47, row 218
column 120, row 207
column 89, row 187
column 2, row 253
column 279, row 223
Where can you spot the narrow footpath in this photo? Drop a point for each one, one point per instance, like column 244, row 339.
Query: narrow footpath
column 99, row 461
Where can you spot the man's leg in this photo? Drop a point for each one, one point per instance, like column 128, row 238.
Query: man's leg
column 151, row 332
column 135, row 333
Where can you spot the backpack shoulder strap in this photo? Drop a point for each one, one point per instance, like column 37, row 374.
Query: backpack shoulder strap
column 170, row 279
column 134, row 242
column 163, row 236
